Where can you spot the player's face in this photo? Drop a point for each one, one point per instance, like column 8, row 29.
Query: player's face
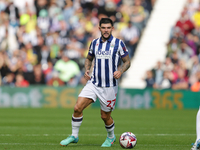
column 106, row 30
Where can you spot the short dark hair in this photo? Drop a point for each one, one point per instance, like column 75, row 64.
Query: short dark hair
column 105, row 20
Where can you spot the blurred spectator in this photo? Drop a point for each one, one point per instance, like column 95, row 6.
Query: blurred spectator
column 184, row 23
column 20, row 81
column 4, row 64
column 35, row 33
column 31, row 54
column 67, row 68
column 138, row 15
column 43, row 21
column 158, row 74
column 191, row 7
column 149, row 79
column 196, row 17
column 181, row 81
column 190, row 41
column 43, row 57
column 55, row 80
column 9, row 79
column 148, row 5
column 167, row 65
column 48, row 71
column 195, row 87
column 13, row 13
column 68, row 11
column 185, row 52
column 196, row 31
column 194, row 68
column 174, row 58
column 74, row 49
column 172, row 46
column 8, row 40
column 130, row 35
column 37, row 77
column 166, row 81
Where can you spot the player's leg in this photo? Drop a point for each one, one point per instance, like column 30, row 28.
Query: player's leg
column 77, row 118
column 196, row 145
column 109, row 125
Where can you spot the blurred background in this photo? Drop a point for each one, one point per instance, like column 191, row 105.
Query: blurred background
column 44, row 42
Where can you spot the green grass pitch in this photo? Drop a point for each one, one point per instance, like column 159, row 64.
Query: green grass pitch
column 44, row 128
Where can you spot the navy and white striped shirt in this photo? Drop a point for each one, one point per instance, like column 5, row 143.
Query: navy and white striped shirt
column 107, row 55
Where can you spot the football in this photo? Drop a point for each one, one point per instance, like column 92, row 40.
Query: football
column 127, row 140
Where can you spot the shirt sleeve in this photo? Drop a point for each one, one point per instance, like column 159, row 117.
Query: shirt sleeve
column 122, row 49
column 91, row 49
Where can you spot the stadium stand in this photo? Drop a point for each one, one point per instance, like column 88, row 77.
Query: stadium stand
column 175, row 49
column 152, row 45
column 39, row 37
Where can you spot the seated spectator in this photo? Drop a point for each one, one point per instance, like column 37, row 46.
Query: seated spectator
column 185, row 52
column 172, row 46
column 37, row 77
column 196, row 17
column 149, row 79
column 194, row 68
column 4, row 64
column 185, row 24
column 181, row 82
column 166, row 82
column 173, row 75
column 20, row 81
column 174, row 58
column 9, row 79
column 74, row 49
column 130, row 36
column 138, row 15
column 158, row 74
column 55, row 80
column 168, row 65
column 190, row 41
column 67, row 68
column 195, row 87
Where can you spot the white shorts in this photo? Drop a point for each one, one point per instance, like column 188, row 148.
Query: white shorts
column 106, row 95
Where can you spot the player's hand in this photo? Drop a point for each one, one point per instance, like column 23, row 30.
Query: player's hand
column 86, row 75
column 117, row 74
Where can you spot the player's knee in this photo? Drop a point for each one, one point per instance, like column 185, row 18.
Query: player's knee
column 77, row 109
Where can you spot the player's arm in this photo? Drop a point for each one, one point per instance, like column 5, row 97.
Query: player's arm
column 88, row 64
column 126, row 64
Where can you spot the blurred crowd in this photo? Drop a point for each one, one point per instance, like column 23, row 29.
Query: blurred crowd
column 45, row 42
column 181, row 68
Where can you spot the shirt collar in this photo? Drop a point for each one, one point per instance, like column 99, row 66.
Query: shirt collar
column 109, row 40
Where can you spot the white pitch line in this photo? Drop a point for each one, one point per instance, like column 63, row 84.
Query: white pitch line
column 145, row 145
column 95, row 134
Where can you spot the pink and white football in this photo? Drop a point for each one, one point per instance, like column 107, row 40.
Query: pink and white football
column 127, row 140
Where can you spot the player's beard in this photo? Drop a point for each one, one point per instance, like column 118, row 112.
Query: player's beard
column 105, row 37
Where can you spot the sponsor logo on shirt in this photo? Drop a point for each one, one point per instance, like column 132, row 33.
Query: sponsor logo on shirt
column 103, row 54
